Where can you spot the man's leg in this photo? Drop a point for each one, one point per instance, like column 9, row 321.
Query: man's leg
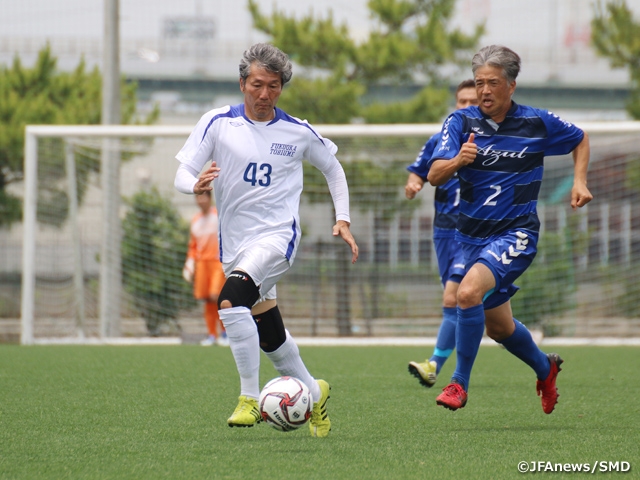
column 237, row 296
column 282, row 350
column 469, row 330
column 280, row 347
column 517, row 339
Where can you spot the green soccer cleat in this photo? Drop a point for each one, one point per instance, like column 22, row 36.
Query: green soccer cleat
column 319, row 423
column 246, row 414
column 425, row 372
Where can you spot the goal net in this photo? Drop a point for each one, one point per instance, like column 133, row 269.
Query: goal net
column 104, row 237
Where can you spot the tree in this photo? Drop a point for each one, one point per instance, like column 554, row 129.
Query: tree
column 44, row 95
column 548, row 285
column 409, row 43
column 154, row 246
column 616, row 35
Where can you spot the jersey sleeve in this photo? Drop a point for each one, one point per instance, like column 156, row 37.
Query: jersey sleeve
column 562, row 136
column 322, row 156
column 421, row 165
column 198, row 149
column 451, row 139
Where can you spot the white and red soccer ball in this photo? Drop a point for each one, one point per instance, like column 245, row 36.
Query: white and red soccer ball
column 285, row 403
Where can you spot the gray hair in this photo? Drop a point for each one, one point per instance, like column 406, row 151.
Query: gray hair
column 268, row 57
column 498, row 56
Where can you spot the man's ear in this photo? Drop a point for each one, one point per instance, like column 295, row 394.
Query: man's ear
column 242, row 85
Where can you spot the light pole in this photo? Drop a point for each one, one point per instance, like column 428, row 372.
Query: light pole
column 110, row 258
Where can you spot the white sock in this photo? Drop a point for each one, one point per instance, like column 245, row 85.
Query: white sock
column 245, row 347
column 287, row 361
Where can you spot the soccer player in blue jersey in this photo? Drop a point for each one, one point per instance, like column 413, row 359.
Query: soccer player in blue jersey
column 497, row 150
column 256, row 152
column 449, row 254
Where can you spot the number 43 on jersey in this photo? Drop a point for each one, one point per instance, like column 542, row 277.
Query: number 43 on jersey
column 252, row 176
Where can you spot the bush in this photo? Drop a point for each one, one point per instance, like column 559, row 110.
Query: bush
column 154, row 248
column 548, row 285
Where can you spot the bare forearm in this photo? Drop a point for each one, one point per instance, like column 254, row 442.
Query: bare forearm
column 441, row 171
column 581, row 156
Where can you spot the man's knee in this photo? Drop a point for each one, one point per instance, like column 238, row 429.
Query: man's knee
column 468, row 296
column 238, row 291
column 270, row 329
column 499, row 331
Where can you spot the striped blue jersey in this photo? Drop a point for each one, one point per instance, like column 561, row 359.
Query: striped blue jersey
column 499, row 190
column 447, row 196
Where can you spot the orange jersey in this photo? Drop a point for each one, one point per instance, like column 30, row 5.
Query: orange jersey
column 203, row 239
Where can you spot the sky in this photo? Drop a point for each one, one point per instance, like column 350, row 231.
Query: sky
column 551, row 36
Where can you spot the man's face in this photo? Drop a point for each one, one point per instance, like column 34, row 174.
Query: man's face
column 466, row 97
column 494, row 92
column 261, row 89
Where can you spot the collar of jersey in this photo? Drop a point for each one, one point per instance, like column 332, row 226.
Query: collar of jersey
column 512, row 110
column 277, row 116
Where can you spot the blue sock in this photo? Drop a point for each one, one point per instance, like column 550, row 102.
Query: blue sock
column 446, row 341
column 522, row 346
column 468, row 337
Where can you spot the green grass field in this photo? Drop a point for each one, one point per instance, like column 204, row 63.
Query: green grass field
column 160, row 412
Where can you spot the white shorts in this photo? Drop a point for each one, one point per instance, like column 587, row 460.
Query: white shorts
column 264, row 264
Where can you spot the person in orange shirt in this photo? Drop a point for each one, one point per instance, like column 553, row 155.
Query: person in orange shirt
column 204, row 269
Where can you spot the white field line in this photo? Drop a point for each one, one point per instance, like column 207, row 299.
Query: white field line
column 341, row 341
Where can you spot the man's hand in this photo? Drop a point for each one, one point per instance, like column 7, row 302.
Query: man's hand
column 580, row 195
column 204, row 182
column 341, row 228
column 468, row 152
column 413, row 186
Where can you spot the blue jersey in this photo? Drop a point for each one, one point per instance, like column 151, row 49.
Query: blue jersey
column 447, row 196
column 499, row 190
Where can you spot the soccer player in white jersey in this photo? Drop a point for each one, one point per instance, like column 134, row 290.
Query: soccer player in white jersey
column 498, row 150
column 256, row 152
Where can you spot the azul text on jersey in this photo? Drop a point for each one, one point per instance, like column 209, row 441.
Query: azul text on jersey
column 491, row 155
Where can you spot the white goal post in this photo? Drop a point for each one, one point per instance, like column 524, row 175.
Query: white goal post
column 34, row 133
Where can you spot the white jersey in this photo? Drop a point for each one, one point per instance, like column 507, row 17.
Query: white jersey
column 259, row 185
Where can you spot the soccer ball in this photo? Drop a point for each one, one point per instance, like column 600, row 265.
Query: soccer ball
column 285, row 403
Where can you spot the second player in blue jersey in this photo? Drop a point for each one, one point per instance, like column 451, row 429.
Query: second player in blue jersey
column 497, row 150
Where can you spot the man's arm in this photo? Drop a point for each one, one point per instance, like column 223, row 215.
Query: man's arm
column 339, row 190
column 414, row 185
column 341, row 228
column 187, row 180
column 337, row 183
column 580, row 194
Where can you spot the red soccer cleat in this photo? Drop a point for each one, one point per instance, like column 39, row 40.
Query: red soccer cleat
column 547, row 389
column 452, row 397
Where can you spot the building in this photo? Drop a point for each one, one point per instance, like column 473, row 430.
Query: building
column 185, row 54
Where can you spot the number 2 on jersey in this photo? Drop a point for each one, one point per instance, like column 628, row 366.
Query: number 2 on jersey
column 490, row 199
column 251, row 174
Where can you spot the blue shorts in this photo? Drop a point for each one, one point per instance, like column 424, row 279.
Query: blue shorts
column 507, row 256
column 450, row 259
